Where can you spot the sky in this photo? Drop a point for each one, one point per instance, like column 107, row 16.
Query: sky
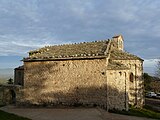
column 30, row 24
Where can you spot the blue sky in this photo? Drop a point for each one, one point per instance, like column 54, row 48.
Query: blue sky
column 30, row 24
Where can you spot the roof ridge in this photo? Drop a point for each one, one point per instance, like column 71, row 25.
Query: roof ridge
column 79, row 43
column 49, row 46
column 81, row 49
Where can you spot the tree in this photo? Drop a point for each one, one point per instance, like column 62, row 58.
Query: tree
column 158, row 69
column 10, row 81
column 147, row 81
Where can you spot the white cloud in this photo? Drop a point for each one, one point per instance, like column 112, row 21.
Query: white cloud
column 150, row 62
column 27, row 25
column 150, row 65
column 19, row 44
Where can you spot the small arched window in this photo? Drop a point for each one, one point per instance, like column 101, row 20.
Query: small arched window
column 131, row 77
column 120, row 73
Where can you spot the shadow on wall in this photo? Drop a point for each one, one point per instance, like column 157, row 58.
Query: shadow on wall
column 43, row 90
column 137, row 91
column 8, row 94
column 78, row 96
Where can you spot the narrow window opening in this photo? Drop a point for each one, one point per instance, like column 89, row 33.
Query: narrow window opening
column 131, row 77
column 103, row 73
column 120, row 73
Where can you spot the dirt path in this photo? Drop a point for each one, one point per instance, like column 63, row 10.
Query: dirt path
column 67, row 114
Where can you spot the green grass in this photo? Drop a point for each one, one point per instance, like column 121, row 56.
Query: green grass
column 3, row 81
column 9, row 116
column 144, row 112
column 149, row 107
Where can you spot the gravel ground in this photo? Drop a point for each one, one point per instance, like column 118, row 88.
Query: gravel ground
column 68, row 114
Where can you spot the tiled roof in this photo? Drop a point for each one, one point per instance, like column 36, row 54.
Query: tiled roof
column 116, row 36
column 121, row 55
column 112, row 65
column 85, row 49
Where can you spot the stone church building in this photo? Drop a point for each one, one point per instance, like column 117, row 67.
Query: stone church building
column 98, row 73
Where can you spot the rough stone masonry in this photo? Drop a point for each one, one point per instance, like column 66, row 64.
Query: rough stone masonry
column 98, row 73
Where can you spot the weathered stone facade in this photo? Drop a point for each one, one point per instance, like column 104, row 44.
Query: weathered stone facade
column 8, row 93
column 19, row 76
column 96, row 73
column 67, row 82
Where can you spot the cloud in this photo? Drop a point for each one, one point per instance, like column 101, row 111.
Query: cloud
column 19, row 45
column 31, row 24
column 150, row 65
column 150, row 62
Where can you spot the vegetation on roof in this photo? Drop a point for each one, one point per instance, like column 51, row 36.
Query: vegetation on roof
column 116, row 66
column 79, row 50
column 121, row 55
column 96, row 48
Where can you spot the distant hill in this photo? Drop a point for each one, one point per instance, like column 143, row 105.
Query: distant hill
column 5, row 74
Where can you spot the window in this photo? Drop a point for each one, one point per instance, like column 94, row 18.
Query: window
column 120, row 73
column 103, row 73
column 131, row 77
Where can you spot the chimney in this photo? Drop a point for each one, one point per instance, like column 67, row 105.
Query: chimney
column 118, row 42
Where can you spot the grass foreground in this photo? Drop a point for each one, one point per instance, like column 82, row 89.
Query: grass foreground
column 139, row 112
column 9, row 116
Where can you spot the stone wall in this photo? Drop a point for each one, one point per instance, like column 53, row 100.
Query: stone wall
column 8, row 94
column 136, row 87
column 19, row 77
column 118, row 93
column 117, row 43
column 65, row 82
column 85, row 82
